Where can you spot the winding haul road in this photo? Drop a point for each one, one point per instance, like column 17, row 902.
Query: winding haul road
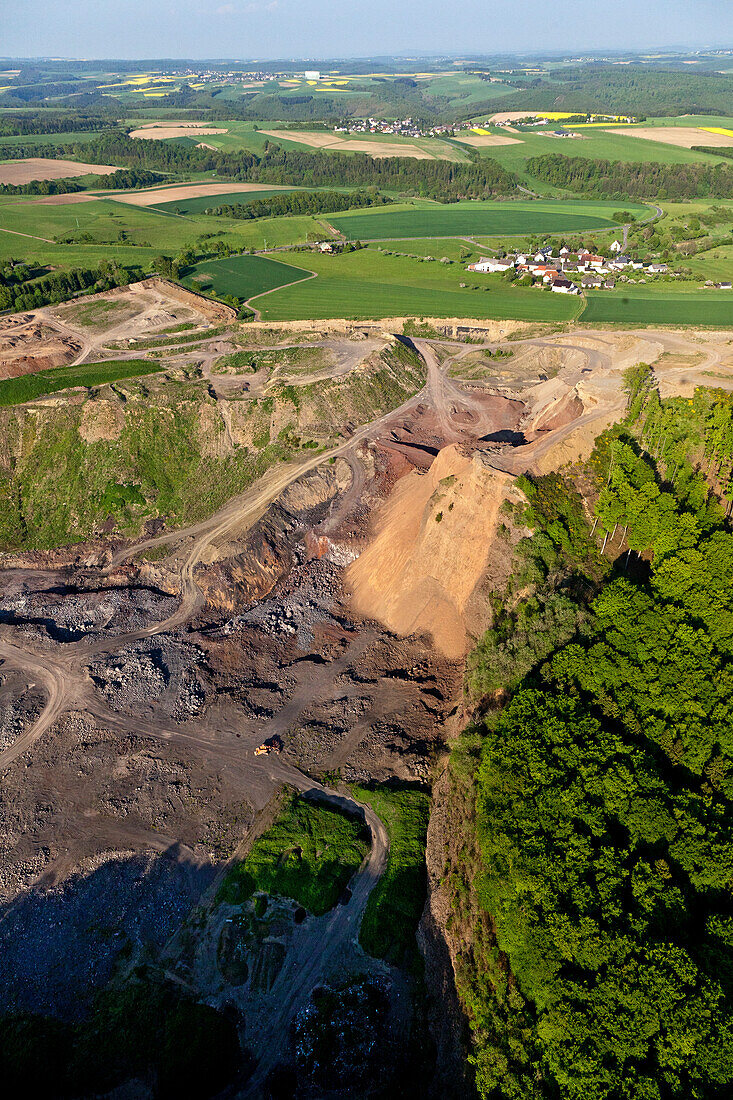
column 62, row 670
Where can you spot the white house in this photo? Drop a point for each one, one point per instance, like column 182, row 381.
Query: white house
column 488, row 265
column 616, row 246
column 564, row 286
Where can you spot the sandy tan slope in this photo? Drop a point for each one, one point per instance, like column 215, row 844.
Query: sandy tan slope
column 431, row 547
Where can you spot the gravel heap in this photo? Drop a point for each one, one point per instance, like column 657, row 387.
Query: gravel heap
column 160, row 672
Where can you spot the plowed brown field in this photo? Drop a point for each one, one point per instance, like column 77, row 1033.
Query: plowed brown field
column 37, row 168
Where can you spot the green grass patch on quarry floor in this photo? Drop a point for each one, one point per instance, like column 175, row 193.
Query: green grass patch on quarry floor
column 14, row 391
column 368, row 284
column 395, row 904
column 482, row 218
column 309, row 854
column 242, row 276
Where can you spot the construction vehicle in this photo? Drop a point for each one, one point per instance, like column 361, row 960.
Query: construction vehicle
column 272, row 744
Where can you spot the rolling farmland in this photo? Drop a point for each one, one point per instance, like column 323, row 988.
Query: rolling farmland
column 242, row 276
column 200, row 203
column 706, row 308
column 367, row 284
column 480, row 218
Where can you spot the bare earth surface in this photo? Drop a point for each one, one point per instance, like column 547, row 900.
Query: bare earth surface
column 684, row 136
column 36, row 168
column 329, row 605
column 72, row 333
column 351, row 145
column 189, row 191
column 486, row 140
column 191, row 129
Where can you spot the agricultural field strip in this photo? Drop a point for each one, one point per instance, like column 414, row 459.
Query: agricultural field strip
column 483, row 219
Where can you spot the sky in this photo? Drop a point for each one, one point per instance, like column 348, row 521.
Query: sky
column 269, row 29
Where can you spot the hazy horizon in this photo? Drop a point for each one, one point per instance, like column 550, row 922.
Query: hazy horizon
column 267, row 30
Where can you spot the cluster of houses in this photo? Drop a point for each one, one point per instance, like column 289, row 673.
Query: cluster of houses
column 541, row 120
column 407, row 127
column 568, row 272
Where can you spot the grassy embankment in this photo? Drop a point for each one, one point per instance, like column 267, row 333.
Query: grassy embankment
column 27, row 387
column 396, row 902
column 159, row 447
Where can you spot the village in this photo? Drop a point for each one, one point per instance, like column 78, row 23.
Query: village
column 406, row 127
column 570, row 272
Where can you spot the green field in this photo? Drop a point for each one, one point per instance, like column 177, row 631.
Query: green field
column 367, row 284
column 133, row 235
column 15, row 391
column 242, row 276
column 309, row 854
column 205, row 202
column 596, row 144
column 425, row 246
column 483, row 218
column 620, row 307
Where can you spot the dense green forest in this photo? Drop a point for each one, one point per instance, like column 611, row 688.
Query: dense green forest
column 606, row 179
column 45, row 123
column 300, row 202
column 629, row 89
column 18, row 293
column 604, row 783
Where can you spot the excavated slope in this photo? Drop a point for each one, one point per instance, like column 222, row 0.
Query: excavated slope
column 431, row 548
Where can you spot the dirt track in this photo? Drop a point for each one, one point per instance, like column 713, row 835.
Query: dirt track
column 576, row 402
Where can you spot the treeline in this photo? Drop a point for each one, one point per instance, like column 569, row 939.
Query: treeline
column 37, row 94
column 604, row 795
column 300, row 202
column 605, row 179
column 714, row 151
column 627, row 90
column 143, row 1029
column 124, row 178
column 17, row 294
column 45, row 123
column 42, row 187
column 440, row 179
column 680, row 431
